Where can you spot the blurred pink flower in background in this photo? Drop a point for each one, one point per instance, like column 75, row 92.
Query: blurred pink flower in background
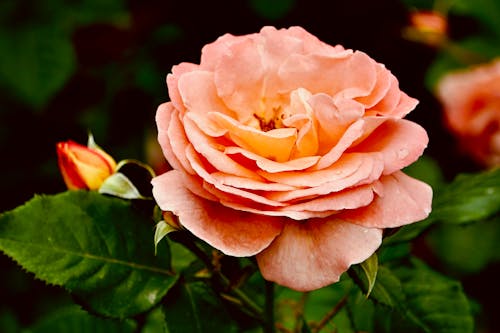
column 290, row 149
column 471, row 103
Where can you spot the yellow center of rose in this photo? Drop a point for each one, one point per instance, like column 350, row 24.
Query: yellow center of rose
column 270, row 114
column 276, row 121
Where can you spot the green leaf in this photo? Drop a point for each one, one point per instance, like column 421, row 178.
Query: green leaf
column 412, row 298
column 194, row 307
column 469, row 198
column 95, row 246
column 321, row 301
column 408, row 232
column 466, row 248
column 486, row 11
column 392, row 252
column 155, row 322
column 419, row 4
column 76, row 320
column 86, row 12
column 434, row 303
column 272, row 10
column 8, row 322
column 35, row 63
column 427, row 170
column 387, row 289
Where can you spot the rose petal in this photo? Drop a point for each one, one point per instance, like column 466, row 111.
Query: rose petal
column 276, row 144
column 199, row 94
column 369, row 170
column 243, row 90
column 347, row 165
column 352, row 198
column 250, row 184
column 311, row 44
column 212, row 53
column 172, row 83
column 405, row 105
column 391, row 99
column 351, row 135
column 270, row 166
column 354, row 76
column 171, row 137
column 382, row 85
column 317, row 208
column 219, row 189
column 308, row 256
column 208, row 147
column 272, row 211
column 400, row 201
column 400, row 141
column 233, row 232
column 334, row 116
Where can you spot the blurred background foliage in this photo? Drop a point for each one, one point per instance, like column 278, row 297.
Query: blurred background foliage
column 70, row 66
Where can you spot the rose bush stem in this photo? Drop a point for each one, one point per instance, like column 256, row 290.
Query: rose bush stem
column 269, row 308
column 251, row 307
column 329, row 316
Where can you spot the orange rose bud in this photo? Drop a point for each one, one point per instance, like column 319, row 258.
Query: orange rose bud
column 429, row 27
column 83, row 167
column 429, row 21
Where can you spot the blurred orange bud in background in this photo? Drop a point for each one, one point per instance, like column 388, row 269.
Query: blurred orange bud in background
column 428, row 27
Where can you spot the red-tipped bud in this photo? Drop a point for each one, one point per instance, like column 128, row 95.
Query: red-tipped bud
column 83, row 167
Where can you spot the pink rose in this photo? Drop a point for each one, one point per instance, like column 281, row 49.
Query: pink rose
column 290, row 149
column 471, row 102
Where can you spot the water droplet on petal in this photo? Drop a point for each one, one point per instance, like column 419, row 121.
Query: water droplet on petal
column 403, row 153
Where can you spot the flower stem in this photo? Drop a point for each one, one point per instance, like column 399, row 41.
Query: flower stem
column 253, row 308
column 269, row 308
column 329, row 316
column 242, row 296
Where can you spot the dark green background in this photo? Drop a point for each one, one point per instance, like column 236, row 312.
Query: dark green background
column 71, row 66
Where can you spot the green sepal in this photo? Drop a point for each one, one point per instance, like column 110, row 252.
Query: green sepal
column 366, row 272
column 137, row 163
column 120, row 186
column 162, row 229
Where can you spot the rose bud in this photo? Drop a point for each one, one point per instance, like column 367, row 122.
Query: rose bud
column 428, row 27
column 83, row 167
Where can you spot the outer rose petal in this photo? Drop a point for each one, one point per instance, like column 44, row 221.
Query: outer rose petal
column 399, row 140
column 233, row 232
column 172, row 83
column 171, row 137
column 401, row 200
column 308, row 256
